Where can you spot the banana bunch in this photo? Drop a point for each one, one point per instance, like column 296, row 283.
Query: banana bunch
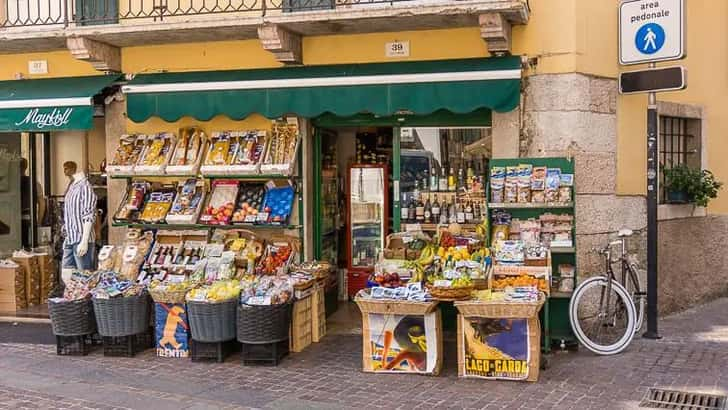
column 480, row 254
column 462, row 282
column 482, row 229
column 427, row 256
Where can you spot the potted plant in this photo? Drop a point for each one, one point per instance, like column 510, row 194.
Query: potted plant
column 690, row 185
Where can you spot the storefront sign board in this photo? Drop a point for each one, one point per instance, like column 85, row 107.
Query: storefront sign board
column 651, row 31
column 171, row 330
column 46, row 118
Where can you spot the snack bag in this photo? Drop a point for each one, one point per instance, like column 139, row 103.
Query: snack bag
column 553, row 182
column 497, row 184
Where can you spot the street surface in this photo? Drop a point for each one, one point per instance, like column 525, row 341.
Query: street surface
column 693, row 355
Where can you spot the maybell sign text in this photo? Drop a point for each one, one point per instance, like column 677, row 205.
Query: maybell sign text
column 39, row 120
column 46, row 119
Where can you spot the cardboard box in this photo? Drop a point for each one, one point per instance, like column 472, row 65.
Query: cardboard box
column 48, row 275
column 32, row 278
column 12, row 289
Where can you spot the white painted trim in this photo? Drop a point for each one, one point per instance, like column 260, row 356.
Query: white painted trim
column 327, row 81
column 47, row 102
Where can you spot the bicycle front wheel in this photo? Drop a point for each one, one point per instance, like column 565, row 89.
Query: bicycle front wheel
column 602, row 316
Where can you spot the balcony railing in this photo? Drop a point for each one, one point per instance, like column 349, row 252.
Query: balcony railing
column 25, row 13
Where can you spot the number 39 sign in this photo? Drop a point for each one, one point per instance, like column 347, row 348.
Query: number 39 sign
column 397, row 49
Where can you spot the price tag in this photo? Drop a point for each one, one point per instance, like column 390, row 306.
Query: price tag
column 251, row 218
column 443, row 283
column 397, row 49
column 129, row 253
column 263, row 217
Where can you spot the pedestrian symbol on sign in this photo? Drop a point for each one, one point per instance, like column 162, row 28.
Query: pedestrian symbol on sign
column 650, row 38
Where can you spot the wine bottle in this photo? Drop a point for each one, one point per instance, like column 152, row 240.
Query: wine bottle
column 428, row 211
column 460, row 214
column 469, row 212
column 451, row 180
column 461, row 179
column 444, row 213
column 443, row 180
column 436, row 211
column 476, row 212
column 404, row 210
column 453, row 214
column 470, row 175
column 420, row 211
column 412, row 217
column 434, row 183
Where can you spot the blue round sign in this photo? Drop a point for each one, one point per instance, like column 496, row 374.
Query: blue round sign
column 650, row 38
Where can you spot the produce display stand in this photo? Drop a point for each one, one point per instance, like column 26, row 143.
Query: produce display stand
column 499, row 340
column 555, row 315
column 400, row 336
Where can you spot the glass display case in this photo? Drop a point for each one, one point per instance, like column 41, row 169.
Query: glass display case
column 367, row 200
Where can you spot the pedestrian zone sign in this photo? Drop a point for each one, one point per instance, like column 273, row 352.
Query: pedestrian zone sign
column 651, row 31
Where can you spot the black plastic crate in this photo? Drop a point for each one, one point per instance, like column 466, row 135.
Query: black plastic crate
column 266, row 354
column 73, row 345
column 219, row 351
column 127, row 346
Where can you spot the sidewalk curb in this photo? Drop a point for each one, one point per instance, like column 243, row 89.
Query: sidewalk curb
column 14, row 319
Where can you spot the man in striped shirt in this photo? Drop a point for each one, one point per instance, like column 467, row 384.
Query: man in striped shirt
column 79, row 214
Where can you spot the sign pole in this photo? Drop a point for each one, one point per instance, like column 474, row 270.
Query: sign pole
column 652, row 186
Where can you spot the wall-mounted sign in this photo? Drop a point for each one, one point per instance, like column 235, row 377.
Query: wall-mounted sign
column 397, row 49
column 46, row 118
column 651, row 30
column 38, row 67
column 653, row 80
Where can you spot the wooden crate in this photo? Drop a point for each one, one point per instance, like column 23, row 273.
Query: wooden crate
column 32, row 278
column 380, row 319
column 475, row 367
column 301, row 334
column 318, row 314
column 12, row 289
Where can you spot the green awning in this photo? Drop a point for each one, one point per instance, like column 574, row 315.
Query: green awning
column 420, row 88
column 50, row 104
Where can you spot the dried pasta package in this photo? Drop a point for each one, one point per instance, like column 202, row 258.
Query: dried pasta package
column 283, row 147
column 538, row 179
column 188, row 152
column 109, row 258
column 134, row 251
column 158, row 204
column 127, row 155
column 133, row 203
column 497, row 182
column 565, row 194
column 538, row 196
column 156, row 154
column 553, row 182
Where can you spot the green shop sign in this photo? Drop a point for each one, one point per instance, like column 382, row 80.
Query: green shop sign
column 46, row 118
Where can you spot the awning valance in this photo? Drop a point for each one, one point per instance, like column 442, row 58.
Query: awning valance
column 458, row 86
column 50, row 104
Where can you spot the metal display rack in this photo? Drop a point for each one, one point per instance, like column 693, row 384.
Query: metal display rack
column 555, row 312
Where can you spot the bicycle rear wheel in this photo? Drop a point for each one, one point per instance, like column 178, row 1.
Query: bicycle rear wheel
column 635, row 289
column 604, row 328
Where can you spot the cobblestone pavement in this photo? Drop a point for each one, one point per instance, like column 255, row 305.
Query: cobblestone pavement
column 693, row 355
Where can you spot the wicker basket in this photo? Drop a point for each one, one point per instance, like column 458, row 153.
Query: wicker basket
column 212, row 322
column 166, row 296
column 501, row 309
column 264, row 324
column 442, row 293
column 72, row 318
column 480, row 284
column 123, row 316
column 394, row 307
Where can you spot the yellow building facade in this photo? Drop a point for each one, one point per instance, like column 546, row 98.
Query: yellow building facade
column 569, row 106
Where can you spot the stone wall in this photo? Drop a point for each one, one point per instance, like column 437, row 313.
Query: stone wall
column 692, row 262
column 576, row 115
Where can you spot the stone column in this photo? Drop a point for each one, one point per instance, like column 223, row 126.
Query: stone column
column 505, row 134
column 115, row 126
column 576, row 115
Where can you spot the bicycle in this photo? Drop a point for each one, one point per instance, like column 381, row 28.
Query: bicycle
column 605, row 311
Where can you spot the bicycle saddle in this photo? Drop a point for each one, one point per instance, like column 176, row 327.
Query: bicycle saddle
column 625, row 233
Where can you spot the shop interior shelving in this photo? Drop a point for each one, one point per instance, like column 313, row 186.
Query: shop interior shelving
column 296, row 226
column 555, row 313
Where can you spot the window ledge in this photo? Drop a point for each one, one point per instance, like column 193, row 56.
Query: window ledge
column 666, row 212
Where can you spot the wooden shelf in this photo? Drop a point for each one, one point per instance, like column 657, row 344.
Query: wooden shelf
column 530, row 205
column 433, row 227
column 561, row 250
column 245, row 177
column 203, row 226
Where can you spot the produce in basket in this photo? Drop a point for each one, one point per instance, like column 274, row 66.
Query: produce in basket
column 277, row 255
column 216, row 292
column 266, row 290
column 219, row 210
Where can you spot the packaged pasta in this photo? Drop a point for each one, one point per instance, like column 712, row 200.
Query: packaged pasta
column 126, row 155
column 158, row 204
column 157, row 150
column 132, row 205
column 188, row 152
